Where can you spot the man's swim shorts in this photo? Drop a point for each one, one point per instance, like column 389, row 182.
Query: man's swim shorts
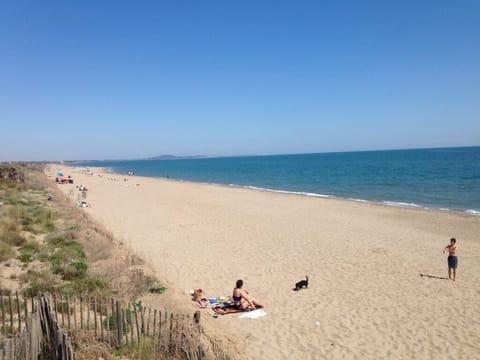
column 452, row 262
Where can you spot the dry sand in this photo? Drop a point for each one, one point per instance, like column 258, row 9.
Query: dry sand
column 367, row 298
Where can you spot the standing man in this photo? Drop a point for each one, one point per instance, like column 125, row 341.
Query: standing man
column 452, row 258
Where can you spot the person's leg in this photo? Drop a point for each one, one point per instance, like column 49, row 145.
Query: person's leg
column 244, row 304
column 449, row 273
column 258, row 303
column 454, row 273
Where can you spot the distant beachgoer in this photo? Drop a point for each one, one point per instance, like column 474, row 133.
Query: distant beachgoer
column 452, row 258
column 242, row 299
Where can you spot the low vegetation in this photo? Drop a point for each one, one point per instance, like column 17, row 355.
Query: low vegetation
column 31, row 231
column 50, row 246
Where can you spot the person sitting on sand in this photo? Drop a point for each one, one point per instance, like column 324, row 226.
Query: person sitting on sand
column 242, row 299
column 452, row 258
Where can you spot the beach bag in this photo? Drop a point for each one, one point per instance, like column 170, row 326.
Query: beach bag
column 198, row 295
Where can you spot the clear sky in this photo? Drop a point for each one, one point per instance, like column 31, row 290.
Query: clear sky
column 117, row 79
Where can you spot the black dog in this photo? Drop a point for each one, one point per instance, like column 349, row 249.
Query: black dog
column 302, row 284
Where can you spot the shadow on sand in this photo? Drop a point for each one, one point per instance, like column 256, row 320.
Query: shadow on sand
column 433, row 277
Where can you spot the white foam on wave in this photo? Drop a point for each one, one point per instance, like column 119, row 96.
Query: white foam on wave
column 310, row 194
column 403, row 204
column 387, row 203
column 288, row 192
column 358, row 200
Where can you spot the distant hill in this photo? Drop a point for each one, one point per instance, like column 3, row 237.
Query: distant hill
column 173, row 157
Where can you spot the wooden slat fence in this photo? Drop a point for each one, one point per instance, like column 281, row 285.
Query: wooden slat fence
column 39, row 338
column 44, row 324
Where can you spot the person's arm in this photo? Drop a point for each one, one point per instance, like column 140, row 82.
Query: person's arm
column 446, row 248
column 247, row 297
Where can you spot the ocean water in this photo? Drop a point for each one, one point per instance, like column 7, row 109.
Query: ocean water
column 442, row 178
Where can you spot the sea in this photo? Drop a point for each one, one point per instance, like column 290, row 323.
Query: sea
column 446, row 179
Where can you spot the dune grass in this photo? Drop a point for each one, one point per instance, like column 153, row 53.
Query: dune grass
column 25, row 213
column 6, row 251
column 57, row 246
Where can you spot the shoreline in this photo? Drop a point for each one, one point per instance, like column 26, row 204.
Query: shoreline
column 388, row 203
column 370, row 294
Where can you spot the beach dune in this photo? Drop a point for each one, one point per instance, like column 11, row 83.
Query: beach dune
column 376, row 289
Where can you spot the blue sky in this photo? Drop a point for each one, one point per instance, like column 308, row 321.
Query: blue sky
column 132, row 79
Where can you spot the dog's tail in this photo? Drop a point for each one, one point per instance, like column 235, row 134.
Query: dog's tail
column 306, row 278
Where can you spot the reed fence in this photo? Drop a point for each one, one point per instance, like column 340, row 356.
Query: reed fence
column 46, row 324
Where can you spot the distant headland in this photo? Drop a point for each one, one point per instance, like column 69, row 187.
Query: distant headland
column 173, row 157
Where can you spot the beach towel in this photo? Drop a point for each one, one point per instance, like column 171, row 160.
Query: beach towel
column 221, row 310
column 255, row 314
column 228, row 308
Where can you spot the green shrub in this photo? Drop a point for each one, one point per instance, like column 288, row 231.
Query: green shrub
column 75, row 270
column 111, row 321
column 69, row 252
column 47, row 222
column 43, row 254
column 142, row 351
column 62, row 307
column 39, row 282
column 88, row 285
column 28, row 252
column 80, row 266
column 75, row 249
column 157, row 289
column 25, row 257
column 37, row 286
column 68, row 259
column 56, row 240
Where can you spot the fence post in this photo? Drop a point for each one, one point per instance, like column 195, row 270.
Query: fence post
column 18, row 312
column 11, row 311
column 55, row 306
column 136, row 323
column 4, row 329
column 196, row 317
column 131, row 324
column 88, row 312
column 170, row 334
column 74, row 312
column 26, row 309
column 101, row 322
column 63, row 310
column 160, row 323
column 119, row 323
column 125, row 325
column 112, row 304
column 68, row 312
column 142, row 317
column 81, row 312
column 95, row 316
column 108, row 325
column 154, row 322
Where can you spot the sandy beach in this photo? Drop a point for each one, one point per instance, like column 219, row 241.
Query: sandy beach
column 377, row 273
